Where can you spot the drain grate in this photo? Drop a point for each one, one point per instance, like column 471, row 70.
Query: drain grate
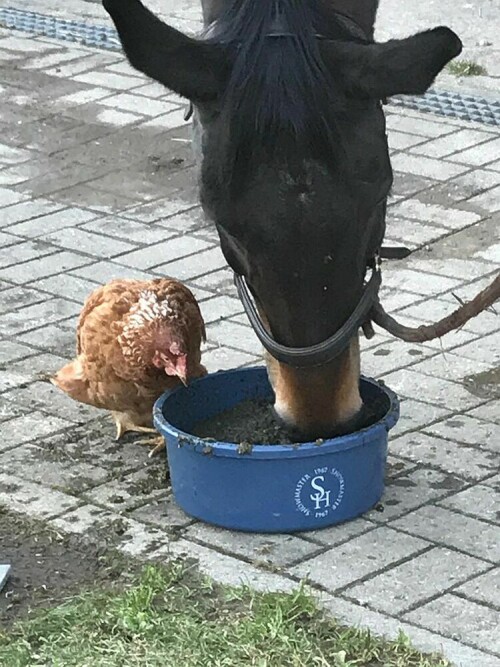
column 439, row 102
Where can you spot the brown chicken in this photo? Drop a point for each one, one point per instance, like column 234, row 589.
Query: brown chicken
column 135, row 340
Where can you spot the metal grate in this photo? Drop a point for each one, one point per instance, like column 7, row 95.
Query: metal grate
column 440, row 102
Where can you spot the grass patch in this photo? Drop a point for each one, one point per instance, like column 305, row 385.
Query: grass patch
column 173, row 617
column 466, row 68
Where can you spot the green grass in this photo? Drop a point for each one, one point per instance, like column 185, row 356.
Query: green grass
column 465, row 68
column 171, row 617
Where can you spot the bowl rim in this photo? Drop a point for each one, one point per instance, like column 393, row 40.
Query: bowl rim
column 364, row 437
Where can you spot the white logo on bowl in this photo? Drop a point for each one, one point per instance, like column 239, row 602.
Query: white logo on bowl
column 319, row 493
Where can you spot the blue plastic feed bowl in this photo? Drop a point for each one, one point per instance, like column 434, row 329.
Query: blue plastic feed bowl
column 272, row 488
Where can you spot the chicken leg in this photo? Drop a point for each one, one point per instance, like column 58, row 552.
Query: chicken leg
column 125, row 424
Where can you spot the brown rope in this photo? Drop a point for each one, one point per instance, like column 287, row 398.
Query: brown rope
column 456, row 320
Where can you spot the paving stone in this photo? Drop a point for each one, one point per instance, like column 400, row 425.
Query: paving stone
column 491, row 254
column 220, row 282
column 163, row 512
column 406, row 185
column 343, row 532
column 167, row 121
column 92, row 244
column 73, row 287
column 161, row 209
column 451, row 529
column 360, row 557
column 485, row 588
column 55, row 339
column 219, row 307
column 33, row 500
column 401, row 140
column 48, row 217
column 33, row 270
column 487, row 201
column 159, row 253
column 23, row 252
column 31, row 426
column 189, row 268
column 10, row 155
column 229, row 571
column 421, row 283
column 277, row 550
column 418, row 487
column 110, row 80
column 450, row 366
column 456, row 141
column 430, row 389
column 13, row 350
column 18, row 296
column 452, row 218
column 47, row 398
column 453, row 267
column 36, row 462
column 469, row 430
column 234, row 335
column 352, row 614
column 130, row 491
column 411, row 583
column 136, row 104
column 489, row 412
column 427, row 167
column 223, row 358
column 465, row 461
column 480, row 501
column 460, row 619
column 117, row 118
column 129, row 536
column 389, row 356
column 419, row 126
column 39, row 314
column 134, row 232
column 480, row 154
column 412, row 234
column 82, row 64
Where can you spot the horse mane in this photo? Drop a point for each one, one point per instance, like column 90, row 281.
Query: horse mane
column 280, row 96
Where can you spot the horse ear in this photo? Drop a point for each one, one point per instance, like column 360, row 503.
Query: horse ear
column 187, row 66
column 403, row 66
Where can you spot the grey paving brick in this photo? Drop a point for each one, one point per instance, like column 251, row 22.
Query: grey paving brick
column 161, row 209
column 465, row 461
column 480, row 501
column 278, row 550
column 418, row 487
column 82, row 64
column 93, row 244
column 167, row 121
column 130, row 536
column 343, row 532
column 44, row 267
column 485, row 588
column 413, row 234
column 220, row 282
column 10, row 155
column 452, row 218
column 83, row 97
column 159, row 253
column 389, row 356
column 74, row 288
column 491, row 254
column 164, row 513
column 33, row 500
column 138, row 105
column 128, row 230
column 116, row 117
column 130, row 491
column 360, row 557
column 53, row 338
column 487, row 201
column 411, row 583
column 430, row 389
column 18, row 296
column 102, row 272
column 234, row 335
column 469, row 430
column 419, row 126
column 421, row 283
column 13, row 350
column 450, row 366
column 223, row 358
column 453, row 267
column 427, row 167
column 218, row 307
column 189, row 268
column 31, row 317
column 414, row 415
column 23, row 252
column 480, row 154
column 48, row 219
column 452, row 529
column 110, row 80
column 401, row 140
column 460, row 654
column 489, row 412
column 460, row 619
column 31, row 426
column 230, row 571
column 456, row 141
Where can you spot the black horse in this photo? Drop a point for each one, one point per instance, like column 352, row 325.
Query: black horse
column 295, row 170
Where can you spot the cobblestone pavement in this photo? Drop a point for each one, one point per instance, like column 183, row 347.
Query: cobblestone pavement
column 96, row 181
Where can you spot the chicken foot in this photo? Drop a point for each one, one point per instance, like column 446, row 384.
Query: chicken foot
column 124, row 424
